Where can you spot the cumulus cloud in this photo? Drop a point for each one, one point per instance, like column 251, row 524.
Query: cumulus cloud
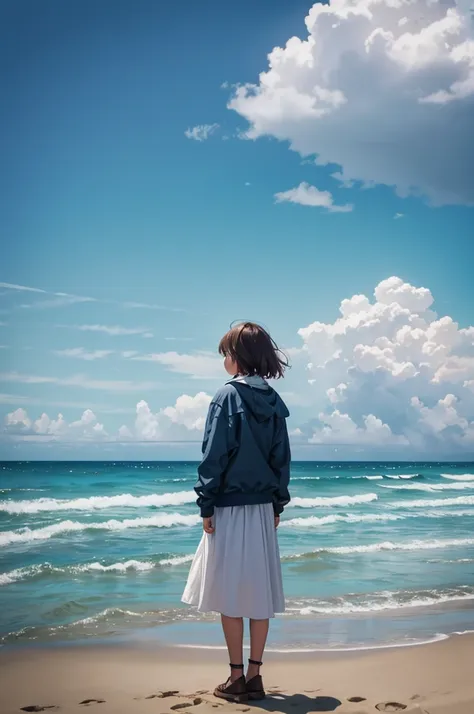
column 86, row 427
column 391, row 372
column 17, row 421
column 201, row 132
column 340, row 429
column 199, row 365
column 384, row 90
column 307, row 195
column 182, row 421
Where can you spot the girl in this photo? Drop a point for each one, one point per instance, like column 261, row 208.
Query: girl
column 242, row 491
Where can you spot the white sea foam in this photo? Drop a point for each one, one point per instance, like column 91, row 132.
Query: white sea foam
column 177, row 560
column 43, row 569
column 397, row 476
column 378, row 601
column 387, row 545
column 334, row 500
column 460, row 477
column 373, row 478
column 315, row 521
column 435, row 502
column 124, row 500
column 28, row 535
column 433, row 487
column 305, row 478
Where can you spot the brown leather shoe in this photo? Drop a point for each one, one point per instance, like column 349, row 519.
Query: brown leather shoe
column 255, row 688
column 233, row 691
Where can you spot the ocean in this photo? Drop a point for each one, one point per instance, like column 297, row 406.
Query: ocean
column 373, row 554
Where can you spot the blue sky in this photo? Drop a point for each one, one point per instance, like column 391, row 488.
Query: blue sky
column 105, row 197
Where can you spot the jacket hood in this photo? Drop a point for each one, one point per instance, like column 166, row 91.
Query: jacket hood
column 259, row 398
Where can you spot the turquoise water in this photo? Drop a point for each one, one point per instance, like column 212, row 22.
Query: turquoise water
column 372, row 553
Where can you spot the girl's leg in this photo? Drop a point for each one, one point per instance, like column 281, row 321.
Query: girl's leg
column 258, row 639
column 234, row 635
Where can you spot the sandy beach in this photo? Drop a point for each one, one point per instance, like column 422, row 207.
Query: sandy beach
column 427, row 679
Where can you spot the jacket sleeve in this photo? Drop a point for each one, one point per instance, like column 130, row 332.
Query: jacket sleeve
column 280, row 458
column 216, row 449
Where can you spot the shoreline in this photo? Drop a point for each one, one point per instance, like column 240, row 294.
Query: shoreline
column 353, row 632
column 431, row 678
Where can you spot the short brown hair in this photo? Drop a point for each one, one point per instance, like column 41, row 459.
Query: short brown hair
column 255, row 352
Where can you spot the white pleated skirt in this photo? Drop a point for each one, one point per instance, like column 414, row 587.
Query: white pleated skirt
column 236, row 571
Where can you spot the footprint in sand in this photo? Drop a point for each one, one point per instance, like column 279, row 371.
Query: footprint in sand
column 162, row 695
column 38, row 708
column 87, row 702
column 356, row 700
column 390, row 707
column 183, row 705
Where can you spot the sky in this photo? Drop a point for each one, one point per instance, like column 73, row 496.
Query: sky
column 168, row 169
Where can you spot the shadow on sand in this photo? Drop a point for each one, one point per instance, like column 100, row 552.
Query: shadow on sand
column 297, row 703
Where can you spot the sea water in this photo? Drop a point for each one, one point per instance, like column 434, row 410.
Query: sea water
column 373, row 554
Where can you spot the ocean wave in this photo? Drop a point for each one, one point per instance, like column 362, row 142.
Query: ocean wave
column 404, row 476
column 334, row 500
column 457, row 486
column 386, row 545
column 306, row 478
column 103, row 623
column 378, row 601
column 47, row 569
column 315, row 521
column 435, row 502
column 452, row 561
column 187, row 479
column 28, row 535
column 124, row 500
column 460, row 477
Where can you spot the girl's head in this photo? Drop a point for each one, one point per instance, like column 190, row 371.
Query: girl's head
column 248, row 349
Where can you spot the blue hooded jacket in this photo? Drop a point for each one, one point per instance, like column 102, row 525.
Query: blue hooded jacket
column 246, row 451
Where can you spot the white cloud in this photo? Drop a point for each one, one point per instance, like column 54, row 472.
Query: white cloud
column 15, row 399
column 200, row 365
column 18, row 420
column 22, row 288
column 307, row 195
column 87, row 427
column 179, row 339
column 387, row 374
column 61, row 299
column 397, row 216
column 182, row 421
column 81, row 353
column 112, row 330
column 189, row 411
column 201, row 132
column 390, row 371
column 341, row 429
column 78, row 380
column 382, row 89
column 57, row 302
